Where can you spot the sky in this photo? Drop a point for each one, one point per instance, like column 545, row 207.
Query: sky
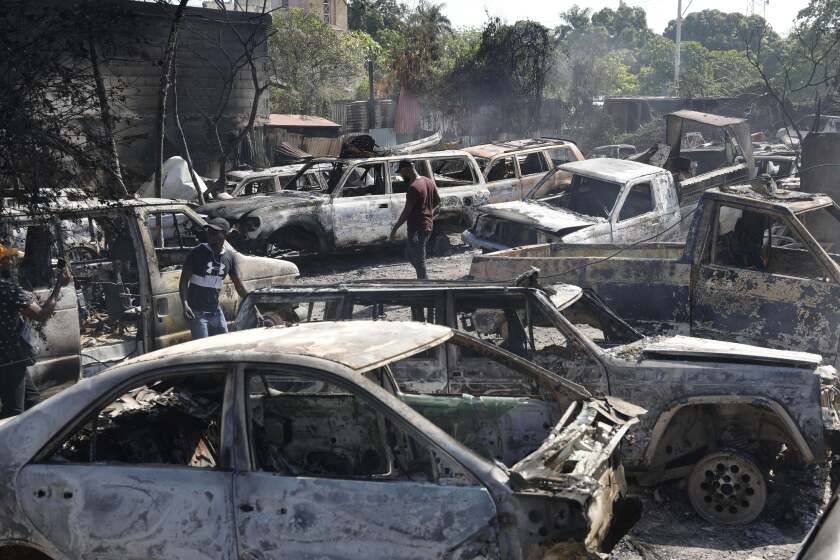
column 471, row 13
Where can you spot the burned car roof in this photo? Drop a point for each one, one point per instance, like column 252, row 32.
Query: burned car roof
column 359, row 346
column 496, row 148
column 609, row 169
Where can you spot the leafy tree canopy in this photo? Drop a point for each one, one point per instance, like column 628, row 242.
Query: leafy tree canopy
column 719, row 31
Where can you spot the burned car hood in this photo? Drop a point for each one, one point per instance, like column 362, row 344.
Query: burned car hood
column 235, row 208
column 539, row 215
column 670, row 347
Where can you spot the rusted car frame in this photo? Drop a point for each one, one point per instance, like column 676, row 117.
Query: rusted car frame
column 608, row 200
column 704, row 399
column 363, row 199
column 264, row 481
column 126, row 260
column 512, row 168
column 757, row 268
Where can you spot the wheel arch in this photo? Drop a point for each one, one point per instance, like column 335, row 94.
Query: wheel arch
column 22, row 550
column 304, row 226
column 663, row 422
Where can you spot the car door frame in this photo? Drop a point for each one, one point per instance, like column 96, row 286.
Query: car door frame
column 705, row 271
column 245, row 458
column 511, row 189
column 141, row 476
column 649, row 222
column 166, row 321
column 527, row 182
column 376, row 207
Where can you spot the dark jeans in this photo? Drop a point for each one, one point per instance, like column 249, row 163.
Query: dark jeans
column 17, row 391
column 208, row 323
column 415, row 251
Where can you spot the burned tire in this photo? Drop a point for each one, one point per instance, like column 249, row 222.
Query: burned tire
column 440, row 245
column 727, row 488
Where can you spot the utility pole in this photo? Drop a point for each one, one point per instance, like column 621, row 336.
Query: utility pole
column 371, row 96
column 677, row 50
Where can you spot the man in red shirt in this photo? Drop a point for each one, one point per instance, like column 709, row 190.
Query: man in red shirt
column 420, row 201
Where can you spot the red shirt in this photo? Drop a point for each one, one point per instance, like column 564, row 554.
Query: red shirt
column 421, row 199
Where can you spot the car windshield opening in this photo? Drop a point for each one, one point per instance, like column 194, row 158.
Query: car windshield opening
column 587, row 196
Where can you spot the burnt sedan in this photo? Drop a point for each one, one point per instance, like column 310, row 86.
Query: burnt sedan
column 714, row 409
column 297, row 442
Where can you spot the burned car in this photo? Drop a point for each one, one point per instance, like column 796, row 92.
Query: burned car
column 363, row 199
column 608, row 200
column 126, row 260
column 297, row 443
column 714, row 409
column 512, row 168
column 759, row 266
column 274, row 179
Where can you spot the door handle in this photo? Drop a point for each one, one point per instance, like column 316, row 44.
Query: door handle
column 247, row 508
column 383, row 205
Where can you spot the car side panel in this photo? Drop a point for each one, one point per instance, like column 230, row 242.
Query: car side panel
column 309, row 519
column 121, row 512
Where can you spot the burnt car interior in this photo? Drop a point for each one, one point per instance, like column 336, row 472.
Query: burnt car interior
column 515, row 323
column 766, row 243
column 305, row 427
column 100, row 250
column 452, row 172
column 587, row 196
column 171, row 421
column 502, row 169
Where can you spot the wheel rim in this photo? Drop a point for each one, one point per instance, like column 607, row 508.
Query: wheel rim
column 727, row 488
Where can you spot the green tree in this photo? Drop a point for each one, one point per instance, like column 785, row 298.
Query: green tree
column 375, row 16
column 626, row 26
column 508, row 72
column 417, row 51
column 315, row 63
column 574, row 19
column 719, row 31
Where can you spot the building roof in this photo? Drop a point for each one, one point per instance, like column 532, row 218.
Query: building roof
column 610, row 169
column 299, row 121
column 358, row 345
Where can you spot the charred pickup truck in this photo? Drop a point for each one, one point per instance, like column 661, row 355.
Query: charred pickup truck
column 759, row 267
column 126, row 260
column 297, row 442
column 623, row 201
column 608, row 200
column 362, row 201
column 707, row 402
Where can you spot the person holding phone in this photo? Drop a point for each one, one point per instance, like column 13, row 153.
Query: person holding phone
column 17, row 353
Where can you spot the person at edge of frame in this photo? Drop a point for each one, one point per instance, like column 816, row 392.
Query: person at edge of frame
column 18, row 346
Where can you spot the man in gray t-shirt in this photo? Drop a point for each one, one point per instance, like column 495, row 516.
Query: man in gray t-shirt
column 202, row 278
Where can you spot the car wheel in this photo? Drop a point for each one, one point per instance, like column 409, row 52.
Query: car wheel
column 727, row 488
column 440, row 245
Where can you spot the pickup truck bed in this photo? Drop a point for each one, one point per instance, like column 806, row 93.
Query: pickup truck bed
column 650, row 272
